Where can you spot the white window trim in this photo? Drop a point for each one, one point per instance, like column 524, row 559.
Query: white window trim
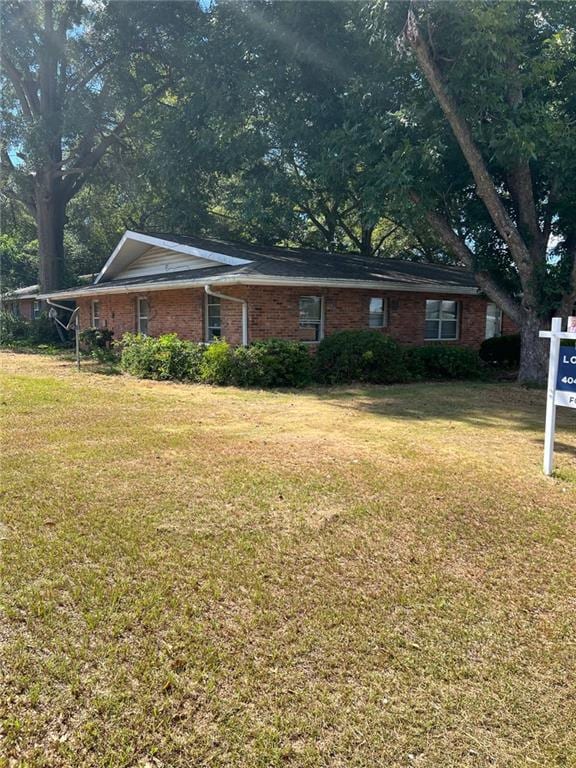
column 458, row 322
column 93, row 315
column 36, row 309
column 384, row 312
column 210, row 299
column 140, row 316
column 320, row 324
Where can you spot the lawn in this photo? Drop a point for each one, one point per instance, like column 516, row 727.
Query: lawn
column 341, row 578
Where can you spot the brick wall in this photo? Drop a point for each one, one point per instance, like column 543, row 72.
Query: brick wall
column 273, row 312
column 26, row 308
column 180, row 311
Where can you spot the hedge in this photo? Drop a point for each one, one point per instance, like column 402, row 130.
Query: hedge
column 163, row 358
column 345, row 357
column 273, row 363
column 443, row 362
column 502, row 350
column 365, row 356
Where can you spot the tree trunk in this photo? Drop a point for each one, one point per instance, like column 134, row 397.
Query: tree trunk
column 366, row 241
column 50, row 218
column 534, row 351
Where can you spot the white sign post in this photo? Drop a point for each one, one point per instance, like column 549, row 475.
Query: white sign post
column 561, row 382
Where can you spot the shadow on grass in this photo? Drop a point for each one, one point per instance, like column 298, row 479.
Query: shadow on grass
column 52, row 350
column 569, row 450
column 479, row 403
column 103, row 368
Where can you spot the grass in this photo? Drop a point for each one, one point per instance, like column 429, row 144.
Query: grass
column 344, row 578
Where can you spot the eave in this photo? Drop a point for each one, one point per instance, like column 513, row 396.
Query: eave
column 231, row 280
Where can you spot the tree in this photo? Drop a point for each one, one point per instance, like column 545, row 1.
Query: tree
column 500, row 134
column 19, row 262
column 75, row 75
column 296, row 161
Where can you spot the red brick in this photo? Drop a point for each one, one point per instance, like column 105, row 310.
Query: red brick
column 273, row 313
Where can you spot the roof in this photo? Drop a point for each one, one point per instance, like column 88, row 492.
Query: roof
column 270, row 265
column 27, row 292
column 33, row 291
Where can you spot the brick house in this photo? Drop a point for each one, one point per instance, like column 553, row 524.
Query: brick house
column 23, row 302
column 207, row 289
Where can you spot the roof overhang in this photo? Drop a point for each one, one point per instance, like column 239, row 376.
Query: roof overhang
column 134, row 244
column 374, row 285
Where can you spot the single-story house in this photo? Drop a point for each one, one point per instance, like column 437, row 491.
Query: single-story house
column 23, row 302
column 207, row 289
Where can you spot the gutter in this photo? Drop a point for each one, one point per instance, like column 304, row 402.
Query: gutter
column 375, row 285
column 244, row 303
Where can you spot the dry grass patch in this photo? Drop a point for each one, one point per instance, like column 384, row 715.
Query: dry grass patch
column 348, row 578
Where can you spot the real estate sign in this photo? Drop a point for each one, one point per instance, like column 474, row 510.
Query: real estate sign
column 566, row 377
column 561, row 381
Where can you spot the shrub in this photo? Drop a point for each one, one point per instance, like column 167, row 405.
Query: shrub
column 502, row 350
column 96, row 338
column 163, row 358
column 217, row 364
column 97, row 342
column 272, row 363
column 443, row 362
column 39, row 331
column 360, row 356
column 12, row 328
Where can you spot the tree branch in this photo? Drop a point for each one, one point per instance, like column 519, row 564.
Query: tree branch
column 519, row 181
column 385, row 236
column 91, row 74
column 89, row 159
column 29, row 106
column 485, row 187
column 461, row 251
column 315, row 220
column 350, row 232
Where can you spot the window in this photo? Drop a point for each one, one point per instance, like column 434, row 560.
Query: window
column 213, row 318
column 143, row 315
column 95, row 314
column 36, row 310
column 493, row 321
column 15, row 309
column 310, row 317
column 377, row 312
column 441, row 320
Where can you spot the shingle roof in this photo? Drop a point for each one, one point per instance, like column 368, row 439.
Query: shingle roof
column 292, row 264
column 272, row 261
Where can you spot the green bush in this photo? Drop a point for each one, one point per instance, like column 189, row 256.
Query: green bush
column 217, row 364
column 272, row 363
column 502, row 350
column 443, row 362
column 97, row 342
column 96, row 338
column 163, row 358
column 366, row 356
column 13, row 328
column 33, row 332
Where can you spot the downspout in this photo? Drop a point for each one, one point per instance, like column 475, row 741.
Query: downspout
column 244, row 303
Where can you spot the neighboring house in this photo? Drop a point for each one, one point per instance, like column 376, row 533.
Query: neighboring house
column 23, row 302
column 26, row 304
column 207, row 289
